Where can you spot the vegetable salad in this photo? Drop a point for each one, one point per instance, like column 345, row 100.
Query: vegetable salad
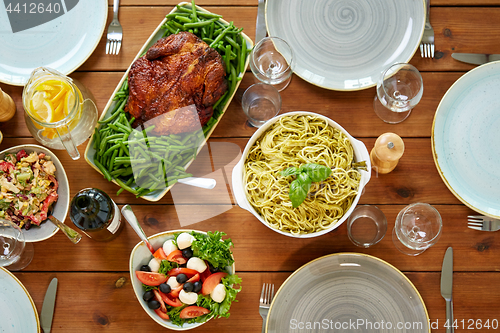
column 187, row 280
column 28, row 187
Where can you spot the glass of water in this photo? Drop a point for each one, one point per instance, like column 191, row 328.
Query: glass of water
column 15, row 254
column 399, row 90
column 260, row 103
column 418, row 226
column 271, row 62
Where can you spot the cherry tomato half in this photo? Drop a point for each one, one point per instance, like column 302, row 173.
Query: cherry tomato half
column 193, row 312
column 181, row 270
column 172, row 301
column 151, row 278
column 176, row 256
column 160, row 254
column 162, row 314
column 211, row 282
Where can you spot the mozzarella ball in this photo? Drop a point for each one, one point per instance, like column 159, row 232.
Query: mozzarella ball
column 185, row 240
column 219, row 293
column 188, row 297
column 169, row 247
column 197, row 264
column 172, row 282
column 154, row 264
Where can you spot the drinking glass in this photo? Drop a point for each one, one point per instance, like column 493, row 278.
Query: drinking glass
column 271, row 62
column 418, row 226
column 260, row 103
column 15, row 254
column 366, row 226
column 399, row 90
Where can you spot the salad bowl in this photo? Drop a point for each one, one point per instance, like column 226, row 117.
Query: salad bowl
column 60, row 208
column 140, row 256
column 238, row 175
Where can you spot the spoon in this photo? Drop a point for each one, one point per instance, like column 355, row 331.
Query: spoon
column 73, row 235
column 134, row 223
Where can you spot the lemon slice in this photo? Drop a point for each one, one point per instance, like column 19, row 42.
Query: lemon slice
column 69, row 103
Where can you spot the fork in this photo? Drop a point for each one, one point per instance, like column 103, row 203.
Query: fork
column 115, row 32
column 484, row 223
column 427, row 43
column 266, row 298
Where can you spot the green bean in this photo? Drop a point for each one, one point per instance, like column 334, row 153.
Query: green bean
column 97, row 139
column 177, row 25
column 112, row 159
column 103, row 170
column 232, row 42
column 193, row 9
column 183, row 9
column 199, row 24
column 243, row 55
column 172, row 15
column 183, row 19
column 126, row 187
column 220, row 36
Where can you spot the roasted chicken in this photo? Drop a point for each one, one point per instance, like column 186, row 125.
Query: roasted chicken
column 177, row 71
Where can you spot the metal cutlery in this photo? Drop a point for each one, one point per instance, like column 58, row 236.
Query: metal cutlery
column 134, row 223
column 483, row 223
column 427, row 43
column 266, row 297
column 115, row 32
column 48, row 306
column 260, row 29
column 73, row 235
column 475, row 58
column 447, row 287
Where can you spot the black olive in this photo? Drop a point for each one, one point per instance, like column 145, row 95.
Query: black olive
column 154, row 304
column 187, row 253
column 145, row 268
column 188, row 287
column 165, row 288
column 212, row 268
column 197, row 286
column 181, row 278
column 148, row 295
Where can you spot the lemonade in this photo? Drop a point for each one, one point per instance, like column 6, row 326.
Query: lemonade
column 53, row 100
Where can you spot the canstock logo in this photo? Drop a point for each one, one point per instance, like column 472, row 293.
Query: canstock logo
column 27, row 14
column 216, row 160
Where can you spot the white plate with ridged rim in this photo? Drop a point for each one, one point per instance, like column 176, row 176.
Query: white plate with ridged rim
column 465, row 139
column 346, row 45
column 18, row 310
column 346, row 292
column 64, row 43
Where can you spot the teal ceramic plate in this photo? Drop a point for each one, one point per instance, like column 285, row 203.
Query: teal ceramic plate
column 63, row 43
column 16, row 306
column 346, row 45
column 466, row 137
column 347, row 292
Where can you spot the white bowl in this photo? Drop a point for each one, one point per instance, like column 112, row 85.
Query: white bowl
column 360, row 154
column 141, row 255
column 60, row 208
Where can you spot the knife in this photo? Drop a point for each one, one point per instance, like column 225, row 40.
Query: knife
column 447, row 286
column 475, row 58
column 48, row 306
column 260, row 29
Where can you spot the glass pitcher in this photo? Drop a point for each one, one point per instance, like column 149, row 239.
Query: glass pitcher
column 60, row 112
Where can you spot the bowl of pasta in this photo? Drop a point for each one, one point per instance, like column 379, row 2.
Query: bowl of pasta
column 301, row 174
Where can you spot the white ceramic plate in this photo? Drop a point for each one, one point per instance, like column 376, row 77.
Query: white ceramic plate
column 63, row 43
column 141, row 255
column 466, row 137
column 335, row 292
column 60, row 208
column 239, row 186
column 16, row 306
column 346, row 45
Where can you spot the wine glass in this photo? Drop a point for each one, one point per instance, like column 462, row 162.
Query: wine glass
column 15, row 253
column 418, row 226
column 271, row 62
column 399, row 90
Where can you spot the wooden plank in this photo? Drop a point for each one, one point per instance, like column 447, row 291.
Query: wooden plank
column 474, row 250
column 352, row 110
column 104, row 303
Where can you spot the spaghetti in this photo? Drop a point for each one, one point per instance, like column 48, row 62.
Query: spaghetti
column 291, row 142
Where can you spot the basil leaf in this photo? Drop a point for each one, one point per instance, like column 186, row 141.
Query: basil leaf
column 289, row 171
column 316, row 172
column 298, row 189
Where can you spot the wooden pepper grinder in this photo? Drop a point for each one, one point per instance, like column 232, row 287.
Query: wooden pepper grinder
column 386, row 153
column 7, row 106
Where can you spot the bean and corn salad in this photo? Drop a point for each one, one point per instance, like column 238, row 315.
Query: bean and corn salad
column 28, row 187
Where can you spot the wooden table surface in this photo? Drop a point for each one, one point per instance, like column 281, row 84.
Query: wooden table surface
column 92, row 296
